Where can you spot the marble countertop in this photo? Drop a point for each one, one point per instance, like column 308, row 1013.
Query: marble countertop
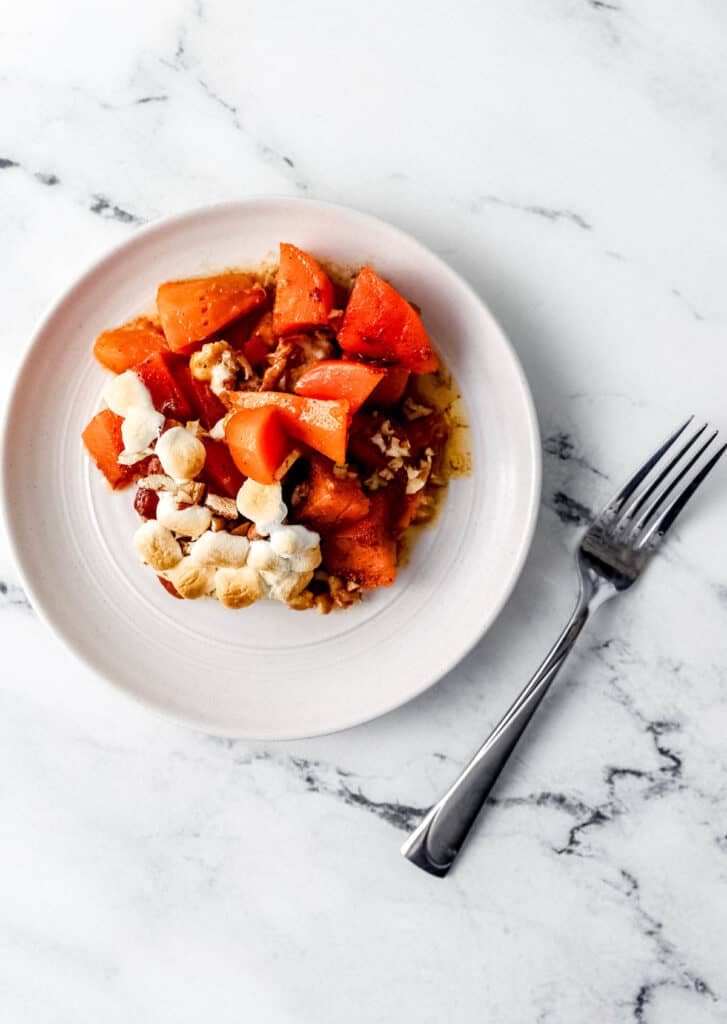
column 569, row 159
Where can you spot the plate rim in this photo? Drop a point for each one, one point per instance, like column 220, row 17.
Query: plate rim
column 95, row 266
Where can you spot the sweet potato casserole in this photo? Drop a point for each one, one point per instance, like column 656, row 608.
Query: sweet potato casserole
column 279, row 430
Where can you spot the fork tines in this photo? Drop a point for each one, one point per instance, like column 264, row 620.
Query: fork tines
column 652, row 499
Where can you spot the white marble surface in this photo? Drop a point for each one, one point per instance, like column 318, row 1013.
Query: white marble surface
column 570, row 159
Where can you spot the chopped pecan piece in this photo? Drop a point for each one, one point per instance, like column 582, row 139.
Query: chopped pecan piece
column 158, row 482
column 323, row 603
column 221, row 506
column 278, row 365
column 242, row 530
column 341, row 594
column 190, row 491
column 293, row 356
column 302, row 602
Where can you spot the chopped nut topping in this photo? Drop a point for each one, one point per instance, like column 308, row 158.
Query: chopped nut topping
column 323, row 603
column 414, row 411
column 302, row 602
column 243, row 530
column 158, row 482
column 190, row 491
column 221, row 506
column 374, row 482
column 414, row 484
column 397, row 448
column 342, row 595
column 278, row 367
column 218, row 364
column 417, row 476
column 247, row 371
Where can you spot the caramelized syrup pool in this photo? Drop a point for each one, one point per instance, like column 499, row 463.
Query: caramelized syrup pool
column 439, row 391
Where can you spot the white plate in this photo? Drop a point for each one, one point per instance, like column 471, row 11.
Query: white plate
column 265, row 672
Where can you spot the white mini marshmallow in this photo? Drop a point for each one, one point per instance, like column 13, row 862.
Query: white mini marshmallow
column 128, row 396
column 181, row 454
column 220, row 550
column 238, row 588
column 293, row 540
column 306, row 561
column 126, row 392
column 263, row 504
column 139, row 429
column 157, row 545
column 191, row 580
column 261, row 556
column 284, row 586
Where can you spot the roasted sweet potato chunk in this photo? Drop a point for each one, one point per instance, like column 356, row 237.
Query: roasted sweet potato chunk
column 333, row 498
column 365, row 551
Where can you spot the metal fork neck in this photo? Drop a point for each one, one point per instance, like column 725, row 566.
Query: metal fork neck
column 434, row 845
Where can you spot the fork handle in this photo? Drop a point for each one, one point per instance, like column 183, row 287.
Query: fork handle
column 435, row 843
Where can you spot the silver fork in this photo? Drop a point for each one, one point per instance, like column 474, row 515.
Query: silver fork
column 611, row 556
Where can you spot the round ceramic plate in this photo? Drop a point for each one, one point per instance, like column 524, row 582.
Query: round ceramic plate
column 265, row 672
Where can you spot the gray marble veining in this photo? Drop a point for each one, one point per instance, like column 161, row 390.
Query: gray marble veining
column 569, row 160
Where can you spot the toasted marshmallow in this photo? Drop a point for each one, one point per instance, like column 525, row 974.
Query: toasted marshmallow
column 286, row 561
column 293, row 540
column 126, row 392
column 238, row 588
column 262, row 556
column 129, row 397
column 140, row 427
column 220, row 550
column 191, row 580
column 263, row 504
column 188, row 521
column 181, row 454
column 157, row 545
column 285, row 586
column 306, row 561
